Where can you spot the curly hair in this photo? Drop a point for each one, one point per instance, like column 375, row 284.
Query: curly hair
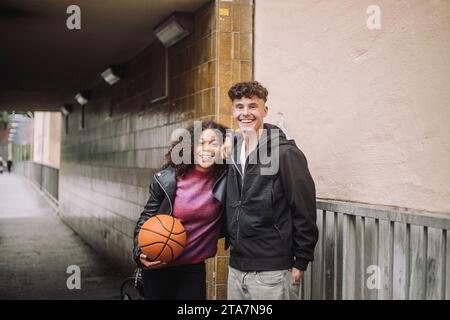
column 182, row 168
column 248, row 89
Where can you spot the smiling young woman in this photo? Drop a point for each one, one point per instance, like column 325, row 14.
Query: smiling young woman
column 193, row 192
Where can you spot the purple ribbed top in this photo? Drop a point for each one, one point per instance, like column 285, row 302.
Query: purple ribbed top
column 200, row 213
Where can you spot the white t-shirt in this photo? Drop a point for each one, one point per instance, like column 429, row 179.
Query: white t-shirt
column 243, row 158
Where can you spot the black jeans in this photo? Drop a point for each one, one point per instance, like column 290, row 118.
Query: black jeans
column 186, row 282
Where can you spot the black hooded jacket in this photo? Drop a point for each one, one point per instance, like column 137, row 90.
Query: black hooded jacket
column 271, row 214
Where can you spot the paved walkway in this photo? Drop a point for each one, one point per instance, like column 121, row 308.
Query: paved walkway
column 36, row 248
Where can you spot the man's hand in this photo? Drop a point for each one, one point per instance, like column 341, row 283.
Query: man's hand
column 296, row 275
column 225, row 150
column 150, row 264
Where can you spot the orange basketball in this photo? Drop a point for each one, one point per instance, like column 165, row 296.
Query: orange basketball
column 162, row 238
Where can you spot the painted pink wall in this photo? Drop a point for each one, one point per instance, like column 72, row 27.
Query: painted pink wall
column 370, row 108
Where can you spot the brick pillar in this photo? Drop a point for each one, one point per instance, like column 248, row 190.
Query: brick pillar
column 234, row 62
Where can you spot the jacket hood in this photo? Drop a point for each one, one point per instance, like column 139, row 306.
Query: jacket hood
column 272, row 137
column 273, row 131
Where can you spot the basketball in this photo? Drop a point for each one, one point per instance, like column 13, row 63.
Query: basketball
column 162, row 238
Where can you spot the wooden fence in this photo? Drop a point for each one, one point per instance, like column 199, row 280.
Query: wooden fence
column 365, row 252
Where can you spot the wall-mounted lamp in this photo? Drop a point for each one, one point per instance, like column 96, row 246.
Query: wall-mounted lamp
column 66, row 109
column 174, row 28
column 82, row 97
column 112, row 74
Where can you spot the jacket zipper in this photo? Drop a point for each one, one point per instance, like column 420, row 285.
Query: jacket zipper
column 237, row 222
column 167, row 195
column 239, row 211
column 240, row 196
column 239, row 202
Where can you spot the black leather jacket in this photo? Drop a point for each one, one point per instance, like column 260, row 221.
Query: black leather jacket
column 162, row 195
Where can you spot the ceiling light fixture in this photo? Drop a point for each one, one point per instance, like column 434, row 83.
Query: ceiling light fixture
column 112, row 75
column 66, row 109
column 82, row 97
column 176, row 27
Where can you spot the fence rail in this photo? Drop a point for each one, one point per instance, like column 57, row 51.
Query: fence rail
column 42, row 176
column 365, row 252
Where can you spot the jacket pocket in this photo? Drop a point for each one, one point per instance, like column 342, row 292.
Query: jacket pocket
column 270, row 278
column 279, row 232
column 249, row 225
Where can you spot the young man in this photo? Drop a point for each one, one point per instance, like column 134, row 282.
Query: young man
column 270, row 206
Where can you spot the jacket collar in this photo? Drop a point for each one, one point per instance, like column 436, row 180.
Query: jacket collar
column 168, row 181
column 266, row 141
